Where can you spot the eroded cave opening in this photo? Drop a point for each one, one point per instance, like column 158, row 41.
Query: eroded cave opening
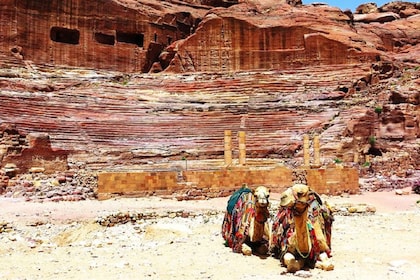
column 104, row 38
column 65, row 35
column 374, row 151
column 130, row 38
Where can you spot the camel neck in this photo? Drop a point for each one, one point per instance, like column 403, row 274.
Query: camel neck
column 257, row 230
column 302, row 233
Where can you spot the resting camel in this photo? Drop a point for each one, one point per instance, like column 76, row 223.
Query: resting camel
column 245, row 228
column 301, row 232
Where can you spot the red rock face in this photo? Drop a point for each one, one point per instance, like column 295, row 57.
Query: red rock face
column 239, row 39
column 132, row 36
column 96, row 34
column 276, row 36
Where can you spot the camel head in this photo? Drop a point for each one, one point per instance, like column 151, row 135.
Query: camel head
column 261, row 195
column 297, row 198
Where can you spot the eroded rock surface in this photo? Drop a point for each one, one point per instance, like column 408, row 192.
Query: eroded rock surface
column 190, row 36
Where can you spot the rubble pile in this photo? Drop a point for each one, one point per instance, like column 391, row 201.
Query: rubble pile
column 378, row 182
column 401, row 164
column 112, row 219
column 39, row 187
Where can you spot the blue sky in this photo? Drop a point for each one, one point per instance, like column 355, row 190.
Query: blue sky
column 348, row 4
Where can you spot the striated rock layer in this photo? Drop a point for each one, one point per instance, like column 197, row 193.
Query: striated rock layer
column 109, row 120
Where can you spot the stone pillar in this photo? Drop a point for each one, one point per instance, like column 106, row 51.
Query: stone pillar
column 317, row 157
column 306, row 150
column 356, row 156
column 228, row 147
column 242, row 148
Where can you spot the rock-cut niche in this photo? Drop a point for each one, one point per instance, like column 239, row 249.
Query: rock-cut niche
column 65, row 35
column 72, row 36
column 105, row 39
column 130, row 38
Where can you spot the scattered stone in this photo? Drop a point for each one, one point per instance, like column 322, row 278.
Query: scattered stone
column 37, row 223
column 303, row 274
column 113, row 219
column 36, row 170
column 5, row 227
column 10, row 170
column 39, row 187
column 12, row 238
column 397, row 263
column 402, row 192
column 347, row 209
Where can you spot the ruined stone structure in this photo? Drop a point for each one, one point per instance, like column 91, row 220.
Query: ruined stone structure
column 222, row 181
column 202, row 184
column 33, row 152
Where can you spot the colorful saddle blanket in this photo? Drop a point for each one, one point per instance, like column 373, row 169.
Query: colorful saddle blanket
column 234, row 198
column 237, row 219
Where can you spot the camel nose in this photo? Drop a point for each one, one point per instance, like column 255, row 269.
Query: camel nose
column 263, row 201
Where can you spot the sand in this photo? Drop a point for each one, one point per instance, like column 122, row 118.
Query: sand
column 61, row 240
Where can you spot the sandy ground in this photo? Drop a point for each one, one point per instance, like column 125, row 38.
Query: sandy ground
column 63, row 241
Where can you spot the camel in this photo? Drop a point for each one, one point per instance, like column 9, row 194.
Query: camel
column 301, row 231
column 245, row 228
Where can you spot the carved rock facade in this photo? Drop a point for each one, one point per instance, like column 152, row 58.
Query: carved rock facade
column 116, row 35
column 152, row 36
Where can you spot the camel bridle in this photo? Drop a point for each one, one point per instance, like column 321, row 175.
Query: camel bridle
column 299, row 206
column 265, row 214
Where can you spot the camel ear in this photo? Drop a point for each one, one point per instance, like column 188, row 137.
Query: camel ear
column 287, row 198
column 318, row 198
column 245, row 187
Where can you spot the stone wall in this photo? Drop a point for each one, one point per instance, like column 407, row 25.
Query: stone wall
column 201, row 184
column 276, row 178
column 140, row 183
column 333, row 181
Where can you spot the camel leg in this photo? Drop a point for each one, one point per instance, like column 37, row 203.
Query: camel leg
column 246, row 250
column 324, row 262
column 262, row 249
column 291, row 263
column 268, row 234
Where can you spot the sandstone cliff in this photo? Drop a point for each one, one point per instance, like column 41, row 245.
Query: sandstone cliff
column 76, row 70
